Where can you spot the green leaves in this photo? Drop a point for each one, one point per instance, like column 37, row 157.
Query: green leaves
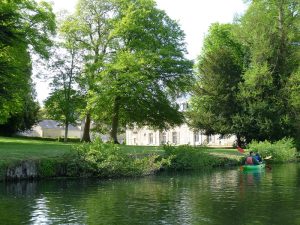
column 247, row 74
column 24, row 26
column 134, row 62
column 219, row 72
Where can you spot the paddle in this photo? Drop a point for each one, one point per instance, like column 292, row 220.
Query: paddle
column 268, row 157
column 268, row 165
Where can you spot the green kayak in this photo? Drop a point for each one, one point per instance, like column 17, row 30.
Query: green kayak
column 254, row 167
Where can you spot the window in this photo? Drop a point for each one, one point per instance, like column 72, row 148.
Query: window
column 150, row 138
column 174, row 137
column 209, row 138
column 196, row 136
column 163, row 138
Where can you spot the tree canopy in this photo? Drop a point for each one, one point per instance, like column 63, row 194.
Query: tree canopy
column 25, row 27
column 220, row 67
column 135, row 63
column 250, row 90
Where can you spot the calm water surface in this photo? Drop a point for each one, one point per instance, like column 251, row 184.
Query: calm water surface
column 215, row 197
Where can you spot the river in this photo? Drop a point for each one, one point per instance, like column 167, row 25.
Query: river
column 221, row 196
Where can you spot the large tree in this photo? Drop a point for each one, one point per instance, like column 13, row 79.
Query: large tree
column 270, row 30
column 145, row 73
column 135, row 63
column 249, row 95
column 91, row 27
column 65, row 100
column 219, row 72
column 25, row 27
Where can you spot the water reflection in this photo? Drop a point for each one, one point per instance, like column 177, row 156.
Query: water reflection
column 40, row 213
column 211, row 197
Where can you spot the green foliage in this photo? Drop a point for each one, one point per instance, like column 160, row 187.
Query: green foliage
column 193, row 158
column 248, row 75
column 107, row 160
column 64, row 108
column 65, row 102
column 25, row 27
column 135, row 68
column 293, row 90
column 219, row 71
column 264, row 116
column 281, row 151
column 47, row 167
column 21, row 120
column 269, row 31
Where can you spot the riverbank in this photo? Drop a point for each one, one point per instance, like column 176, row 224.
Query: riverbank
column 36, row 159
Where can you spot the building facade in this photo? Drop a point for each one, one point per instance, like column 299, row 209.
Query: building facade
column 181, row 135
column 54, row 129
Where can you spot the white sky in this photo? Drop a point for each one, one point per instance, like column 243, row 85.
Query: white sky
column 194, row 17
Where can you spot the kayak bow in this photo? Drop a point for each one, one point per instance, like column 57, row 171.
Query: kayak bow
column 254, row 167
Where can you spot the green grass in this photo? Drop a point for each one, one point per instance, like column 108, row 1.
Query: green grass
column 141, row 150
column 12, row 149
column 228, row 153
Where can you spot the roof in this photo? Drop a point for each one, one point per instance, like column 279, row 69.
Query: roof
column 52, row 124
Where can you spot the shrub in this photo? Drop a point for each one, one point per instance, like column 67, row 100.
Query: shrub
column 186, row 157
column 47, row 168
column 281, row 151
column 107, row 160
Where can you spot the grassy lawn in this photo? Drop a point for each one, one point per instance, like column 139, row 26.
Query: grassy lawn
column 23, row 149
column 136, row 150
column 228, row 153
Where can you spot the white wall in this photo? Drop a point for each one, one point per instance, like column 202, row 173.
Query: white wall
column 149, row 137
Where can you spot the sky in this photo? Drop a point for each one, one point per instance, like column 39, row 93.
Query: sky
column 194, row 17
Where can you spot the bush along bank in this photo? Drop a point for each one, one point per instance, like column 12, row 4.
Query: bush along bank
column 186, row 157
column 105, row 160
column 94, row 159
column 281, row 151
column 98, row 159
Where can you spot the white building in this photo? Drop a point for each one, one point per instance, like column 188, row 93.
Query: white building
column 180, row 135
column 54, row 129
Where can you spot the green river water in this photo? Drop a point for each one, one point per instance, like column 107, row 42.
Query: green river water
column 227, row 196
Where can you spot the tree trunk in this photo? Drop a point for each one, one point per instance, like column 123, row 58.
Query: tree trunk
column 66, row 130
column 115, row 121
column 239, row 141
column 86, row 129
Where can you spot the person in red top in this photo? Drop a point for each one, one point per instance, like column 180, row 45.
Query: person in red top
column 251, row 159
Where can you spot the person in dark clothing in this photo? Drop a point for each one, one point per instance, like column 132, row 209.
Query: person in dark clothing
column 257, row 156
column 251, row 159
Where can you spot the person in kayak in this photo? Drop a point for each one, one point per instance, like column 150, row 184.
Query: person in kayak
column 251, row 159
column 258, row 157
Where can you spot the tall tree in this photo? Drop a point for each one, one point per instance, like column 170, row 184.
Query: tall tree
column 293, row 90
column 135, row 63
column 270, row 30
column 219, row 72
column 91, row 27
column 64, row 105
column 25, row 27
column 145, row 72
column 65, row 101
